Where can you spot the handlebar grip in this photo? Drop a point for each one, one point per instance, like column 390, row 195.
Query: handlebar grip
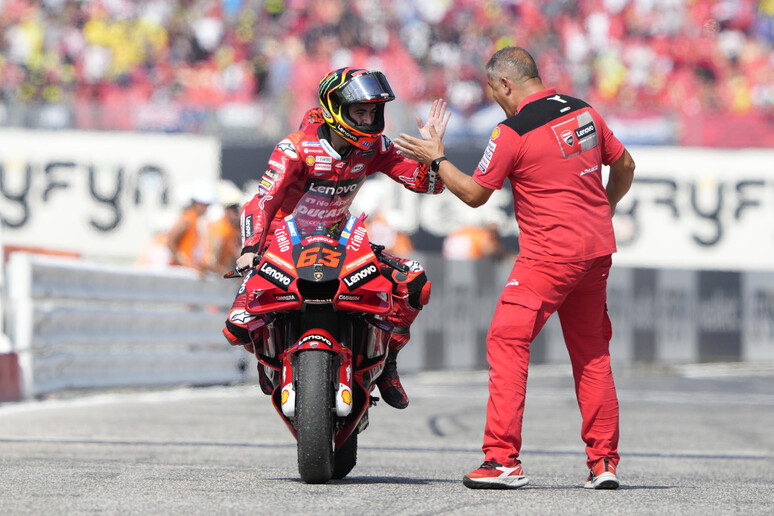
column 389, row 260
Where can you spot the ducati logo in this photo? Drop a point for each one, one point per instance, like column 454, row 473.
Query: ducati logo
column 567, row 136
column 318, row 275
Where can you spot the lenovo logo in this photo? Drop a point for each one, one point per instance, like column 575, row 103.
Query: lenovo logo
column 275, row 276
column 361, row 276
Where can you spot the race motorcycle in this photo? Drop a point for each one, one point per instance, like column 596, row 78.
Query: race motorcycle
column 320, row 332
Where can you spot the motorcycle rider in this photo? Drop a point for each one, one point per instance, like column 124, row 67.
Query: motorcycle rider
column 338, row 145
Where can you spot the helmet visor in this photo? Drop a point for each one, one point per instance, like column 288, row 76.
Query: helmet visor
column 368, row 87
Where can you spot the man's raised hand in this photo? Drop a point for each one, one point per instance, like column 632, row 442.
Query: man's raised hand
column 438, row 119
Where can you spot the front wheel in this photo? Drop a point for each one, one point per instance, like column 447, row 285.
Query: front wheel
column 314, row 415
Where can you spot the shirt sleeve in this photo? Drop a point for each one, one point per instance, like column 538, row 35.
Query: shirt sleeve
column 499, row 158
column 283, row 170
column 612, row 148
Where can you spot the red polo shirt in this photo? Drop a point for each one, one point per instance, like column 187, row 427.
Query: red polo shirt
column 552, row 151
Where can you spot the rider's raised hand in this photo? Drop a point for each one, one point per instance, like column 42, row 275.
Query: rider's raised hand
column 438, row 119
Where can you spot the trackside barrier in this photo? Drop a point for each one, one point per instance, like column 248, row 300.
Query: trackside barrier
column 80, row 325
column 659, row 316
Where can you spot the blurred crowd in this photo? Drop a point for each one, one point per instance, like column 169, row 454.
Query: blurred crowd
column 676, row 56
column 205, row 235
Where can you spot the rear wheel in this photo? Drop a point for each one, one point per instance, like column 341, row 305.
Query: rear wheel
column 345, row 457
column 314, row 415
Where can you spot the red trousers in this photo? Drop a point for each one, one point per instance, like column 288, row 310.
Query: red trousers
column 535, row 290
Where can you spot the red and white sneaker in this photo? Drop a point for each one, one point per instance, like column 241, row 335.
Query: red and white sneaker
column 602, row 476
column 493, row 475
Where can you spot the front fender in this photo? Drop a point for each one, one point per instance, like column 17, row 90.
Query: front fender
column 319, row 339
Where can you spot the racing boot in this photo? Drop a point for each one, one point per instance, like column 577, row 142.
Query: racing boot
column 389, row 383
column 231, row 336
column 237, row 334
column 411, row 291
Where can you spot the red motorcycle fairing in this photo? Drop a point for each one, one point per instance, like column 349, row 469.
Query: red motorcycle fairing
column 362, row 288
column 339, row 274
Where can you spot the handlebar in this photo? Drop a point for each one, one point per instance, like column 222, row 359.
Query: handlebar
column 240, row 273
column 389, row 260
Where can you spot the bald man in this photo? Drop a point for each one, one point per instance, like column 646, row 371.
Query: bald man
column 551, row 148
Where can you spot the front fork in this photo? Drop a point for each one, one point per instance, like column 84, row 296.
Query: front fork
column 321, row 340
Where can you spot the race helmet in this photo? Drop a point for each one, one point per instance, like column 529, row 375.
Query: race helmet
column 345, row 86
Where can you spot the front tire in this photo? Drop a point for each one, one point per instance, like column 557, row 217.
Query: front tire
column 314, row 415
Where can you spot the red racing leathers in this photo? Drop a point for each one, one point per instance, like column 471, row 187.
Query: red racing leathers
column 305, row 161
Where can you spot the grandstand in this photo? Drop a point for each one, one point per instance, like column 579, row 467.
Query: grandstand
column 673, row 72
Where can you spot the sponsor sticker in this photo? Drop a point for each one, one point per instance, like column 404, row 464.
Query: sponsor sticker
column 279, row 165
column 310, row 160
column 586, row 130
column 247, row 227
column 292, row 229
column 357, row 168
column 323, row 159
column 361, row 276
column 334, row 188
column 315, row 338
column 350, row 223
column 280, row 261
column 576, row 135
column 356, row 239
column 357, row 263
column 322, row 166
column 496, row 133
column 483, row 165
column 283, row 298
column 275, row 275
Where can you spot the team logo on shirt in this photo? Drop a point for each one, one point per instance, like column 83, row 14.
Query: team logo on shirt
column 577, row 134
column 483, row 165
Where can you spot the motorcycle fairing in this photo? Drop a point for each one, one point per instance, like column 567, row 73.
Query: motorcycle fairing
column 318, row 270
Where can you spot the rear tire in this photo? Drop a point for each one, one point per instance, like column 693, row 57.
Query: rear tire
column 345, row 457
column 314, row 416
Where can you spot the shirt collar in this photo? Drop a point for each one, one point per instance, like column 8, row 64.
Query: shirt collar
column 536, row 96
